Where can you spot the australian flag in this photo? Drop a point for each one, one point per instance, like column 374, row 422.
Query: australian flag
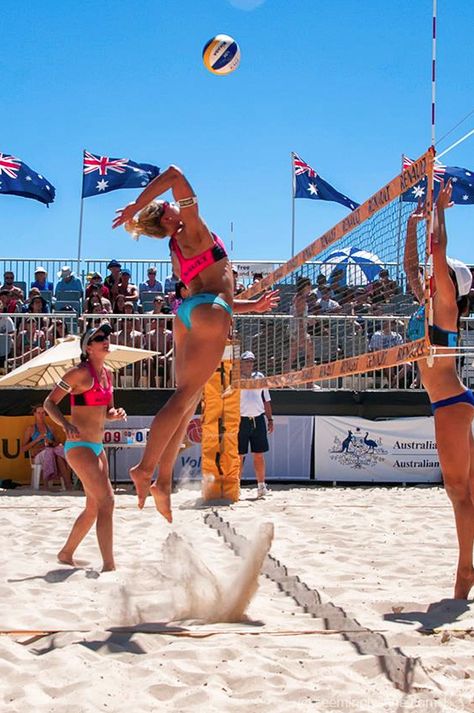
column 307, row 184
column 103, row 174
column 462, row 180
column 18, row 179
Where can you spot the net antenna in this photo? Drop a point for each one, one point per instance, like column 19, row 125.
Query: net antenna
column 358, row 247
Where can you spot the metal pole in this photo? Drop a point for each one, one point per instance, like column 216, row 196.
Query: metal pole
column 433, row 77
column 292, row 206
column 399, row 235
column 79, row 240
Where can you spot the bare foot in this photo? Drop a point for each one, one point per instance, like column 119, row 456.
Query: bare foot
column 142, row 481
column 464, row 583
column 162, row 498
column 108, row 567
column 65, row 558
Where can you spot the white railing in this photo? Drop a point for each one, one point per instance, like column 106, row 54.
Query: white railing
column 280, row 343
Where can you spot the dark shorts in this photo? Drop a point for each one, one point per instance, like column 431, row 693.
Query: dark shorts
column 253, row 431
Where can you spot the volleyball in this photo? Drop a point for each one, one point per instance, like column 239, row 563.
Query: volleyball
column 221, row 55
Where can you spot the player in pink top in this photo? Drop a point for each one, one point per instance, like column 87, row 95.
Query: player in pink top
column 202, row 324
column 90, row 387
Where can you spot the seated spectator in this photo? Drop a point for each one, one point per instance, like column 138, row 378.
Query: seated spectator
column 67, row 282
column 339, row 291
column 58, row 329
column 8, row 303
column 128, row 334
column 32, row 294
column 96, row 285
column 30, row 340
column 170, row 282
column 38, row 305
column 238, row 286
column 326, row 304
column 385, row 338
column 300, row 339
column 45, row 450
column 118, row 305
column 383, row 289
column 41, row 281
column 152, row 284
column 321, row 282
column 8, row 280
column 113, row 279
column 159, row 339
column 158, row 305
column 179, row 295
column 95, row 304
column 126, row 288
column 7, row 331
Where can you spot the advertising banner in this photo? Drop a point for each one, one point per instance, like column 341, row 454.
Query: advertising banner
column 400, row 450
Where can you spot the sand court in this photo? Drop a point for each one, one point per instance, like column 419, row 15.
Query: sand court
column 374, row 629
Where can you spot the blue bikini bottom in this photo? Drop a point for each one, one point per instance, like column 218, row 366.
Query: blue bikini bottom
column 97, row 448
column 466, row 397
column 202, row 298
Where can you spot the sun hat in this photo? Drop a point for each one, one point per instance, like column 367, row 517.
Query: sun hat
column 65, row 271
column 126, row 272
column 87, row 336
column 113, row 263
column 463, row 275
column 40, row 268
column 247, row 356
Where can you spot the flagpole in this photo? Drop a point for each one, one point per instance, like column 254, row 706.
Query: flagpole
column 433, row 76
column 81, row 214
column 399, row 236
column 292, row 206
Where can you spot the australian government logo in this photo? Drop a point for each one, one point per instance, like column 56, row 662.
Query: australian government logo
column 357, row 450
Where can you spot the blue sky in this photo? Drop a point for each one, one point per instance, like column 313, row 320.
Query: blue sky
column 345, row 84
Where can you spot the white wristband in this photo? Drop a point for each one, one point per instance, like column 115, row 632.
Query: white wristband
column 188, row 202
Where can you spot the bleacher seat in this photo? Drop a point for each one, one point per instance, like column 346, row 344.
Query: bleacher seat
column 22, row 285
column 61, row 304
column 47, row 295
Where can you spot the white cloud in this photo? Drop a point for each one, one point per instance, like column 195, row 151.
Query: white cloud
column 246, row 4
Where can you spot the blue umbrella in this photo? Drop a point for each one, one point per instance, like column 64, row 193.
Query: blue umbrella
column 358, row 266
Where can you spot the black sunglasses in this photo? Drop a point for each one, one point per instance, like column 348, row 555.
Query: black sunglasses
column 99, row 338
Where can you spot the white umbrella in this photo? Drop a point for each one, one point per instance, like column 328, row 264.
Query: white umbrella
column 45, row 370
column 358, row 266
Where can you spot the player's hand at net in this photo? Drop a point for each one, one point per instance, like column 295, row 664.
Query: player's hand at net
column 444, row 197
column 124, row 214
column 419, row 213
column 267, row 302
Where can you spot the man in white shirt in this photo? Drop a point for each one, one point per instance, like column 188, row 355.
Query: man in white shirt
column 255, row 405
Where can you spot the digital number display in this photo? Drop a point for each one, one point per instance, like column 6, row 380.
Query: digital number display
column 125, row 436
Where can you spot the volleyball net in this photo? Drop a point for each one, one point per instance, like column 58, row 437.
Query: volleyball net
column 340, row 284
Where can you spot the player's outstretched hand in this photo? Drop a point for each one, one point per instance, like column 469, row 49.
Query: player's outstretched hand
column 267, row 302
column 444, row 197
column 419, row 213
column 124, row 215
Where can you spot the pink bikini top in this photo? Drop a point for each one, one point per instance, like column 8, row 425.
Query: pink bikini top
column 97, row 395
column 191, row 266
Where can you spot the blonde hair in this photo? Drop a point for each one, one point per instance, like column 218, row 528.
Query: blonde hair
column 148, row 222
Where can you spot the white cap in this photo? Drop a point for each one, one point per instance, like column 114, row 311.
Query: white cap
column 65, row 271
column 463, row 275
column 248, row 355
column 40, row 268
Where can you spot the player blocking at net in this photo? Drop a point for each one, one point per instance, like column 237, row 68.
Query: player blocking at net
column 452, row 403
column 202, row 323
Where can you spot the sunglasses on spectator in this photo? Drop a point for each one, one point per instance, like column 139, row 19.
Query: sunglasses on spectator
column 99, row 338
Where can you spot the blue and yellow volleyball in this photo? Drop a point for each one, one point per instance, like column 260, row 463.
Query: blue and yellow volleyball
column 221, row 55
